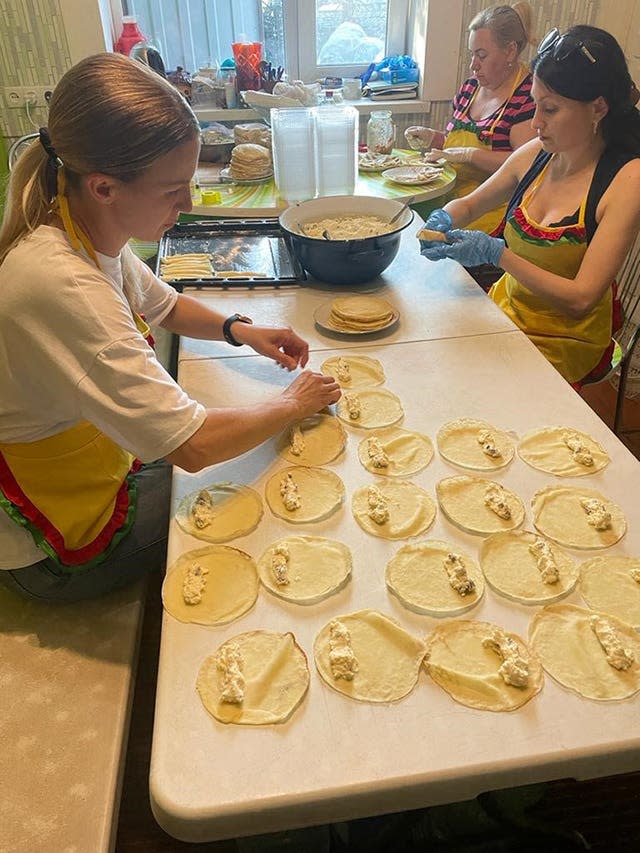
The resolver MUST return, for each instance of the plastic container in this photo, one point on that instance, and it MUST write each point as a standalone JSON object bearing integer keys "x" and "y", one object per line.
{"x": 130, "y": 35}
{"x": 293, "y": 145}
{"x": 381, "y": 132}
{"x": 336, "y": 149}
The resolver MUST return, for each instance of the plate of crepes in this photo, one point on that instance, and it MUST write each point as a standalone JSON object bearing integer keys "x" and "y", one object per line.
{"x": 413, "y": 175}
{"x": 370, "y": 162}
{"x": 250, "y": 164}
{"x": 356, "y": 315}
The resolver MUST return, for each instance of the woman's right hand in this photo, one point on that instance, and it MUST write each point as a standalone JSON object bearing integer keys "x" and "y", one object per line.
{"x": 312, "y": 392}
{"x": 419, "y": 138}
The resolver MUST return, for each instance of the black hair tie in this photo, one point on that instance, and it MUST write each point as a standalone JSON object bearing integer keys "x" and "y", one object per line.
{"x": 45, "y": 140}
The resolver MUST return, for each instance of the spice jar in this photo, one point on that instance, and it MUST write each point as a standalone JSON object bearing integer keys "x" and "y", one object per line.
{"x": 381, "y": 132}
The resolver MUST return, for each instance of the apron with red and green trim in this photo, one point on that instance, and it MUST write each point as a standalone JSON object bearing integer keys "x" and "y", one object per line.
{"x": 573, "y": 346}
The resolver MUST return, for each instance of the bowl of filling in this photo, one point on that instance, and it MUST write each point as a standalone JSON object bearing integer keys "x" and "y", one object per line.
{"x": 345, "y": 239}
{"x": 216, "y": 144}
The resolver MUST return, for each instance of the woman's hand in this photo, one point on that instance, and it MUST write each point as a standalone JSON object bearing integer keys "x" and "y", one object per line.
{"x": 422, "y": 138}
{"x": 283, "y": 345}
{"x": 312, "y": 392}
{"x": 452, "y": 155}
{"x": 469, "y": 248}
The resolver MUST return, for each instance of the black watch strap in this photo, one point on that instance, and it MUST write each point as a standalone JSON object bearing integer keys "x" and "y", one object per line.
{"x": 226, "y": 328}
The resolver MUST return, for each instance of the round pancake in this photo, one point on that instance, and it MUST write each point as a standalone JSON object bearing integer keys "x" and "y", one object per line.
{"x": 379, "y": 408}
{"x": 316, "y": 568}
{"x": 237, "y": 510}
{"x": 363, "y": 371}
{"x": 559, "y": 515}
{"x": 462, "y": 498}
{"x": 546, "y": 450}
{"x": 459, "y": 443}
{"x": 321, "y": 494}
{"x": 324, "y": 440}
{"x": 408, "y": 452}
{"x": 611, "y": 584}
{"x": 411, "y": 510}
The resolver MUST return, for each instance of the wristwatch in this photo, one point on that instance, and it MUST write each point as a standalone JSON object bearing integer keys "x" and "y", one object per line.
{"x": 226, "y": 328}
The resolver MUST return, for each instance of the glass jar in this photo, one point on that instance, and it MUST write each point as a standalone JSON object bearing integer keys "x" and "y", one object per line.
{"x": 381, "y": 132}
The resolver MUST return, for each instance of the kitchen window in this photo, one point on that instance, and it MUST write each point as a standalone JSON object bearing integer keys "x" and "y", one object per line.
{"x": 345, "y": 36}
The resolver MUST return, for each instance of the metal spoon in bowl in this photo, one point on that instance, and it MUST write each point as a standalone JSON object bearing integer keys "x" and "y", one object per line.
{"x": 397, "y": 215}
{"x": 325, "y": 234}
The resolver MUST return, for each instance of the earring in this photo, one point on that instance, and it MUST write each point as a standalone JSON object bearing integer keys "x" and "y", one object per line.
{"x": 596, "y": 125}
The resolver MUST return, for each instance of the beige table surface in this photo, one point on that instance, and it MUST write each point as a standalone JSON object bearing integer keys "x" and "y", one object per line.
{"x": 338, "y": 759}
{"x": 435, "y": 300}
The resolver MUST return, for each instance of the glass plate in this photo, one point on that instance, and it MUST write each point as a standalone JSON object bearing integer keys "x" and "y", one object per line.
{"x": 412, "y": 175}
{"x": 225, "y": 176}
{"x": 322, "y": 317}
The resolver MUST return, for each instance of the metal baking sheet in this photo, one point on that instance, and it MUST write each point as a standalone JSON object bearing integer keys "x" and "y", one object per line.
{"x": 246, "y": 246}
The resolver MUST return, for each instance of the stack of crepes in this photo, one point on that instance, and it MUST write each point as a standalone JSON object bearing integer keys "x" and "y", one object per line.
{"x": 253, "y": 132}
{"x": 360, "y": 313}
{"x": 250, "y": 162}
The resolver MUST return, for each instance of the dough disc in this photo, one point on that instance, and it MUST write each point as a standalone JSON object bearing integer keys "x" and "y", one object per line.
{"x": 546, "y": 450}
{"x": 458, "y": 443}
{"x": 388, "y": 658}
{"x": 379, "y": 408}
{"x": 457, "y": 661}
{"x": 276, "y": 679}
{"x": 511, "y": 569}
{"x": 411, "y": 510}
{"x": 364, "y": 371}
{"x": 237, "y": 510}
{"x": 321, "y": 494}
{"x": 461, "y": 499}
{"x": 606, "y": 584}
{"x": 324, "y": 440}
{"x": 417, "y": 576}
{"x": 317, "y": 568}
{"x": 408, "y": 452}
{"x": 230, "y": 590}
{"x": 571, "y": 653}
{"x": 558, "y": 514}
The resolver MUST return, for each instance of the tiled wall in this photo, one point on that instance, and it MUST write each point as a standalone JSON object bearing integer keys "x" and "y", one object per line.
{"x": 33, "y": 49}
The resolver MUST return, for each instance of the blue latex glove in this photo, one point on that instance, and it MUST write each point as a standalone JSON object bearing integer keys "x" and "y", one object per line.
{"x": 469, "y": 248}
{"x": 439, "y": 220}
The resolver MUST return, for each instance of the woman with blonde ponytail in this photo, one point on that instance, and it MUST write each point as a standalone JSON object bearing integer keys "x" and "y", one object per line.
{"x": 87, "y": 414}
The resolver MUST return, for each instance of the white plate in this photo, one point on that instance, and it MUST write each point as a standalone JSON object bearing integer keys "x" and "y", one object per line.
{"x": 412, "y": 175}
{"x": 322, "y": 317}
{"x": 226, "y": 176}
{"x": 384, "y": 161}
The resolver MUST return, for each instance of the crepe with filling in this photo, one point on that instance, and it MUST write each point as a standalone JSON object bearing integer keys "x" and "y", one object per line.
{"x": 549, "y": 450}
{"x": 388, "y": 657}
{"x": 407, "y": 452}
{"x": 570, "y": 651}
{"x": 322, "y": 439}
{"x": 235, "y": 511}
{"x": 320, "y": 492}
{"x": 228, "y": 589}
{"x": 411, "y": 511}
{"x": 475, "y": 444}
{"x": 513, "y": 567}
{"x": 315, "y": 568}
{"x": 611, "y": 584}
{"x": 361, "y": 371}
{"x": 378, "y": 408}
{"x": 459, "y": 660}
{"x": 463, "y": 501}
{"x": 559, "y": 514}
{"x": 417, "y": 575}
{"x": 274, "y": 679}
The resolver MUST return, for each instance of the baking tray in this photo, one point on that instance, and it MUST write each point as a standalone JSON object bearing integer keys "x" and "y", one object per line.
{"x": 242, "y": 245}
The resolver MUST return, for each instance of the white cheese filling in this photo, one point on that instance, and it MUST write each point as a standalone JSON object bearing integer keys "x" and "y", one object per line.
{"x": 617, "y": 656}
{"x": 378, "y": 506}
{"x": 545, "y": 560}
{"x": 495, "y": 499}
{"x": 297, "y": 443}
{"x": 202, "y": 509}
{"x": 579, "y": 451}
{"x": 280, "y": 564}
{"x": 231, "y": 679}
{"x": 487, "y": 441}
{"x": 343, "y": 371}
{"x": 289, "y": 492}
{"x": 194, "y": 583}
{"x": 377, "y": 452}
{"x": 352, "y": 402}
{"x": 597, "y": 514}
{"x": 514, "y": 669}
{"x": 342, "y": 660}
{"x": 457, "y": 574}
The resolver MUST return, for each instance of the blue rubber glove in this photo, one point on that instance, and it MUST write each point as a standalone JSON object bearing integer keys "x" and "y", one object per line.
{"x": 439, "y": 220}
{"x": 469, "y": 248}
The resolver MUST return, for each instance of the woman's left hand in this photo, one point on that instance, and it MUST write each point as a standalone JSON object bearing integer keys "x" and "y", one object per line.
{"x": 453, "y": 155}
{"x": 283, "y": 345}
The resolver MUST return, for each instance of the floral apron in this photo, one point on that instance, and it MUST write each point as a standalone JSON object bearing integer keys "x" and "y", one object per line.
{"x": 574, "y": 347}
{"x": 469, "y": 178}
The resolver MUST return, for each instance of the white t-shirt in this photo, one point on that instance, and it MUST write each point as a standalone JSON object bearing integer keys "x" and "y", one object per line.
{"x": 70, "y": 351}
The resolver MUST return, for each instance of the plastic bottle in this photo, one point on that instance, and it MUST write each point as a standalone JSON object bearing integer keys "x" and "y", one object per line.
{"x": 129, "y": 36}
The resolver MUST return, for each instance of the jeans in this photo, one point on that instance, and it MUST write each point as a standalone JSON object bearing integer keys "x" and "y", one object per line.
{"x": 141, "y": 551}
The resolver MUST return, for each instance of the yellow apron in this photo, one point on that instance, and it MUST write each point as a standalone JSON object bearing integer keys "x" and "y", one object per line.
{"x": 469, "y": 177}
{"x": 74, "y": 492}
{"x": 574, "y": 347}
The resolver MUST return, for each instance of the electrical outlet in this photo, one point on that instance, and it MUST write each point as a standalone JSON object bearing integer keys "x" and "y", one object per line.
{"x": 20, "y": 96}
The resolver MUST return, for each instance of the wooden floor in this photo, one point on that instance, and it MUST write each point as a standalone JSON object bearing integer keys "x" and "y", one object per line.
{"x": 604, "y": 812}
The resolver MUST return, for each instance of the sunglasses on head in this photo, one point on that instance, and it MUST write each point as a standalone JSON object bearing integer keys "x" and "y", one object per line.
{"x": 563, "y": 46}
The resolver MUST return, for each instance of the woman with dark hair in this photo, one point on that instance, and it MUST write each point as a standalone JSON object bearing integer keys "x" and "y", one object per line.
{"x": 85, "y": 416}
{"x": 575, "y": 204}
